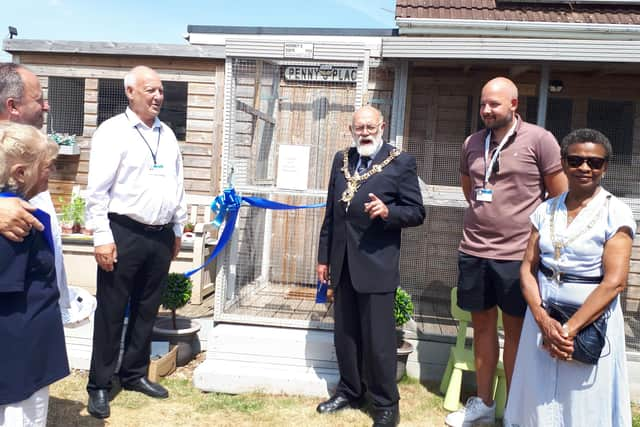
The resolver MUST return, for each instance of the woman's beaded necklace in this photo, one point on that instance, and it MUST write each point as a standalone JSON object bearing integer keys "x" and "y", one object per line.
{"x": 559, "y": 244}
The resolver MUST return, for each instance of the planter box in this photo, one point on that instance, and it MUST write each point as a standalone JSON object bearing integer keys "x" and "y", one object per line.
{"x": 69, "y": 150}
{"x": 163, "y": 366}
{"x": 185, "y": 338}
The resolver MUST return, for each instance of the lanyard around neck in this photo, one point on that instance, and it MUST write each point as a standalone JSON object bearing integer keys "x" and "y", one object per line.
{"x": 487, "y": 141}
{"x": 154, "y": 156}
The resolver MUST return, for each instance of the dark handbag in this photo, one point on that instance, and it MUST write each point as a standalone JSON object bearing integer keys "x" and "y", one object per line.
{"x": 588, "y": 343}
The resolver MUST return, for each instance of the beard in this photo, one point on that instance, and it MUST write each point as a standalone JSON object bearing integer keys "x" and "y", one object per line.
{"x": 36, "y": 120}
{"x": 374, "y": 142}
{"x": 499, "y": 123}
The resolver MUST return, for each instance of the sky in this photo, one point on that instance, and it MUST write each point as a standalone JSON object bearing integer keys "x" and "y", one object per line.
{"x": 166, "y": 21}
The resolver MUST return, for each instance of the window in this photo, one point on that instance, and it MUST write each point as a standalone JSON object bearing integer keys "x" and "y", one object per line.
{"x": 615, "y": 120}
{"x": 558, "y": 120}
{"x": 112, "y": 100}
{"x": 66, "y": 105}
{"x": 174, "y": 108}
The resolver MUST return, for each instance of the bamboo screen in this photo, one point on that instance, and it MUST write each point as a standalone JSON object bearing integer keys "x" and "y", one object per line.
{"x": 269, "y": 271}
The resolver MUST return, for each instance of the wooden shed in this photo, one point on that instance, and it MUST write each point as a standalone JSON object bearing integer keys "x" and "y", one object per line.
{"x": 570, "y": 74}
{"x": 576, "y": 65}
{"x": 83, "y": 84}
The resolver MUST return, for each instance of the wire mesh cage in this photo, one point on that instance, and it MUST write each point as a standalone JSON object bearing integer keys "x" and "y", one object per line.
{"x": 66, "y": 105}
{"x": 623, "y": 180}
{"x": 271, "y": 264}
{"x": 112, "y": 99}
{"x": 269, "y": 267}
{"x": 268, "y": 275}
{"x": 428, "y": 265}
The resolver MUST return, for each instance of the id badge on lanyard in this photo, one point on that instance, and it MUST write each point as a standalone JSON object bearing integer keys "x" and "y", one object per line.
{"x": 156, "y": 170}
{"x": 484, "y": 194}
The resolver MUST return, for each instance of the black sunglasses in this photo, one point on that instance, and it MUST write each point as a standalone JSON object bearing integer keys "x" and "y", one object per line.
{"x": 593, "y": 162}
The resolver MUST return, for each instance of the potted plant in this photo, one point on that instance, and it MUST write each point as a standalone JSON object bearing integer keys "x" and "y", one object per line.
{"x": 179, "y": 331}
{"x": 72, "y": 218}
{"x": 78, "y": 206}
{"x": 66, "y": 218}
{"x": 189, "y": 227}
{"x": 402, "y": 311}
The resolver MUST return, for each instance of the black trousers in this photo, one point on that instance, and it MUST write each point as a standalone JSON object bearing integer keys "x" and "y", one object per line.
{"x": 138, "y": 278}
{"x": 365, "y": 340}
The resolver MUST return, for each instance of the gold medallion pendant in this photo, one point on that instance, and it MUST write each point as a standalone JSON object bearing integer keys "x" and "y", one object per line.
{"x": 559, "y": 244}
{"x": 354, "y": 181}
{"x": 349, "y": 192}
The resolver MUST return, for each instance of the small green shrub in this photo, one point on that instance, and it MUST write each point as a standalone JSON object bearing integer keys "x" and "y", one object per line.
{"x": 67, "y": 214}
{"x": 78, "y": 206}
{"x": 73, "y": 212}
{"x": 403, "y": 307}
{"x": 176, "y": 294}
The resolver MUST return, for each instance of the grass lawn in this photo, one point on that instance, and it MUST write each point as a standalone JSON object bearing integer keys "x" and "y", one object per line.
{"x": 187, "y": 406}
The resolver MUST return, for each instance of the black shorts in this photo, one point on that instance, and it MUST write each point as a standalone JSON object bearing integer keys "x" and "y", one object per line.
{"x": 484, "y": 283}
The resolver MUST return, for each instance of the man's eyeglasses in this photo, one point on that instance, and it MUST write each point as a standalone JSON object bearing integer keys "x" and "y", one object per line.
{"x": 593, "y": 162}
{"x": 370, "y": 128}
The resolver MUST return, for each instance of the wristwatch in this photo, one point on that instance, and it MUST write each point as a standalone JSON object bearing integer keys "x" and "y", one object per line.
{"x": 565, "y": 328}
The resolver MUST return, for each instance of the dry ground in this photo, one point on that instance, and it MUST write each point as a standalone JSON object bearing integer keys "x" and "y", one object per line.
{"x": 187, "y": 406}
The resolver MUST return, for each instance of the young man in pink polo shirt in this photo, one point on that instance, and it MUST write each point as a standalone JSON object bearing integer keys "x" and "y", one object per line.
{"x": 506, "y": 170}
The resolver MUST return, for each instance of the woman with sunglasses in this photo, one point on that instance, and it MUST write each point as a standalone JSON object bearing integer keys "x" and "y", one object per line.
{"x": 577, "y": 260}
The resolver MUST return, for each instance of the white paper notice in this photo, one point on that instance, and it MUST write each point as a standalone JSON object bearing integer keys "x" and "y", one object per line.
{"x": 293, "y": 167}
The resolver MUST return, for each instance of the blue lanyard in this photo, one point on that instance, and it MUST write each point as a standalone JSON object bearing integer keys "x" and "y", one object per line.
{"x": 154, "y": 156}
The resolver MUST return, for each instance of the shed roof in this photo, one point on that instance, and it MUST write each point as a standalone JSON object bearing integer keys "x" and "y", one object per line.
{"x": 287, "y": 31}
{"x": 492, "y": 10}
{"x": 113, "y": 48}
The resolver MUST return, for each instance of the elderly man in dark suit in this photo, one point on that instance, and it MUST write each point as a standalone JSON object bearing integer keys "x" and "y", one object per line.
{"x": 373, "y": 193}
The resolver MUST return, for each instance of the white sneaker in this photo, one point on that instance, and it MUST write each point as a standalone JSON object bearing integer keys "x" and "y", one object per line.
{"x": 474, "y": 412}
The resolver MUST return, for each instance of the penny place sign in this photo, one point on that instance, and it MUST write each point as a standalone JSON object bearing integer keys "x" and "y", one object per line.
{"x": 321, "y": 73}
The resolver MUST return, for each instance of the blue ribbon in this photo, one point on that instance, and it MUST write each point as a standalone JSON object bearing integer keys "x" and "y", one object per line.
{"x": 226, "y": 206}
{"x": 41, "y": 216}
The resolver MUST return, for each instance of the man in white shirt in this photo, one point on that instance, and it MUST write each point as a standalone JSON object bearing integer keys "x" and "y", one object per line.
{"x": 135, "y": 200}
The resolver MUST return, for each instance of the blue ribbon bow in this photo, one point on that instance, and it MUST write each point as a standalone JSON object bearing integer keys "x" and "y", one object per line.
{"x": 226, "y": 207}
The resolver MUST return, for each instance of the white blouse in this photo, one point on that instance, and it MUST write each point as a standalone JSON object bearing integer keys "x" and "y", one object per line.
{"x": 584, "y": 239}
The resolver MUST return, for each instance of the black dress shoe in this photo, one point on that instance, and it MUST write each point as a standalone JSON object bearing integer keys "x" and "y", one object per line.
{"x": 335, "y": 404}
{"x": 386, "y": 417}
{"x": 99, "y": 403}
{"x": 151, "y": 389}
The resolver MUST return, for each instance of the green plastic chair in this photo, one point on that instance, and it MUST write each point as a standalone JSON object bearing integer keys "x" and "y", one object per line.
{"x": 461, "y": 359}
